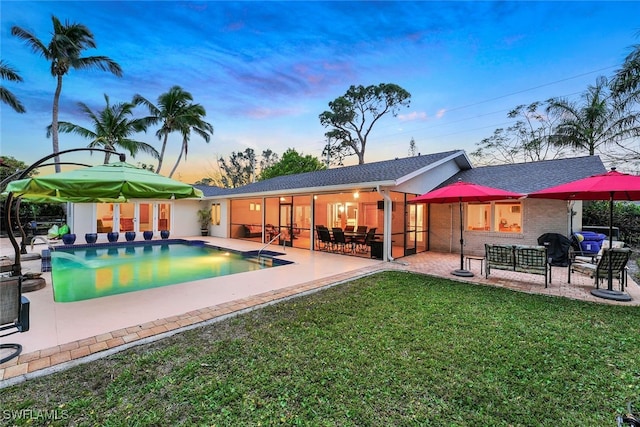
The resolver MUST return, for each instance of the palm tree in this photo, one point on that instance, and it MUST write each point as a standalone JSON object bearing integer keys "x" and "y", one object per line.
{"x": 193, "y": 122}
{"x": 627, "y": 78}
{"x": 600, "y": 119}
{"x": 8, "y": 73}
{"x": 64, "y": 51}
{"x": 177, "y": 114}
{"x": 112, "y": 129}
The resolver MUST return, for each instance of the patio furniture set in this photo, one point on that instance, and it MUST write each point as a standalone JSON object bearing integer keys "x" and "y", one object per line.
{"x": 607, "y": 262}
{"x": 350, "y": 239}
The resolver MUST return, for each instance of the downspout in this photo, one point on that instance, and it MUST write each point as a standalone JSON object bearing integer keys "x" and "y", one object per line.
{"x": 387, "y": 224}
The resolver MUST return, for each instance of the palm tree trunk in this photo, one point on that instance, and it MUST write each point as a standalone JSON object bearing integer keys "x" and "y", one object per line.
{"x": 54, "y": 123}
{"x": 164, "y": 145}
{"x": 177, "y": 161}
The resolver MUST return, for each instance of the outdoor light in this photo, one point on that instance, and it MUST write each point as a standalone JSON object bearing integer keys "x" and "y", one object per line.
{"x": 356, "y": 195}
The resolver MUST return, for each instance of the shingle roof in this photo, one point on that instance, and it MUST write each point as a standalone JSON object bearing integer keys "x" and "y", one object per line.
{"x": 384, "y": 171}
{"x": 533, "y": 176}
{"x": 518, "y": 177}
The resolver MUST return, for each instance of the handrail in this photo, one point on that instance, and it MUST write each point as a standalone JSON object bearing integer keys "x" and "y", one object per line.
{"x": 268, "y": 243}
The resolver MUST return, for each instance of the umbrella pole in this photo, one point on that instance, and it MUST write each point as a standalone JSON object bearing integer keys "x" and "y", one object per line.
{"x": 609, "y": 293}
{"x": 610, "y": 275}
{"x": 461, "y": 271}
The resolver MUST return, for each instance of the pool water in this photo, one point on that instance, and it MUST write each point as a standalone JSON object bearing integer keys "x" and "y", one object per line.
{"x": 92, "y": 271}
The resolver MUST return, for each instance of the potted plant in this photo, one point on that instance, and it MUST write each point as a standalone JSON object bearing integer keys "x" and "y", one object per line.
{"x": 204, "y": 218}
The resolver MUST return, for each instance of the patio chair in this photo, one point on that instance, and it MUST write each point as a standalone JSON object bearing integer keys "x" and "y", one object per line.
{"x": 616, "y": 257}
{"x": 349, "y": 229}
{"x": 500, "y": 257}
{"x": 339, "y": 240}
{"x": 363, "y": 243}
{"x": 324, "y": 238}
{"x": 362, "y": 229}
{"x": 14, "y": 313}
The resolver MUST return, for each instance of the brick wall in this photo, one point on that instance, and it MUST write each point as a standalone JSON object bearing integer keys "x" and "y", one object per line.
{"x": 539, "y": 216}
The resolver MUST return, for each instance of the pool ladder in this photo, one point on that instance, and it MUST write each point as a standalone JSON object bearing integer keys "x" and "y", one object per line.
{"x": 269, "y": 242}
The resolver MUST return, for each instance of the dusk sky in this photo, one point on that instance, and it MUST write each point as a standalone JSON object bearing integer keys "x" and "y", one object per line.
{"x": 265, "y": 71}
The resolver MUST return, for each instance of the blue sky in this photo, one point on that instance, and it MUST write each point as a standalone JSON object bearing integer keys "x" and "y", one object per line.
{"x": 265, "y": 71}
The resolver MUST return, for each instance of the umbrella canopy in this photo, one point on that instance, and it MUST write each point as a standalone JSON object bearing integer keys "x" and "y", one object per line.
{"x": 116, "y": 182}
{"x": 611, "y": 186}
{"x": 462, "y": 191}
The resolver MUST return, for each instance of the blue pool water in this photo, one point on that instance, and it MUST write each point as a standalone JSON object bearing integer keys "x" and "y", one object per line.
{"x": 91, "y": 271}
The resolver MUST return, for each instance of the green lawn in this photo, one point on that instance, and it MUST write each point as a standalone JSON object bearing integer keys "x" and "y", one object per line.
{"x": 392, "y": 349}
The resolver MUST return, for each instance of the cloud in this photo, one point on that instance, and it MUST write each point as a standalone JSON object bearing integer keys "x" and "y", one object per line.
{"x": 267, "y": 113}
{"x": 440, "y": 113}
{"x": 416, "y": 115}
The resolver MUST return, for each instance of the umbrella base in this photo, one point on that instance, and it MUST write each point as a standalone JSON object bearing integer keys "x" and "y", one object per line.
{"x": 462, "y": 273}
{"x": 611, "y": 295}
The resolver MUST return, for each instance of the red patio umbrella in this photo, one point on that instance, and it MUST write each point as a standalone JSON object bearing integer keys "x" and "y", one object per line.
{"x": 459, "y": 192}
{"x": 611, "y": 186}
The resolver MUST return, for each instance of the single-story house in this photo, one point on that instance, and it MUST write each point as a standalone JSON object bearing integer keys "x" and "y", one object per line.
{"x": 286, "y": 210}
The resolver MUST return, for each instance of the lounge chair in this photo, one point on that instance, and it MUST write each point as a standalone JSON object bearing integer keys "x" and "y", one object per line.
{"x": 616, "y": 257}
{"x": 14, "y": 313}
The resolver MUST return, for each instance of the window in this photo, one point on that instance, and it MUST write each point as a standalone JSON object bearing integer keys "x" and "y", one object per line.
{"x": 478, "y": 215}
{"x": 215, "y": 213}
{"x": 504, "y": 217}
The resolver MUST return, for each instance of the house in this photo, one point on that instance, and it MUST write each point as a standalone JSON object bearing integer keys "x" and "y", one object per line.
{"x": 286, "y": 210}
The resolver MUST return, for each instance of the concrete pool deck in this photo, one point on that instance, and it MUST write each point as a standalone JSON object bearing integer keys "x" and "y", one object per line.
{"x": 64, "y": 334}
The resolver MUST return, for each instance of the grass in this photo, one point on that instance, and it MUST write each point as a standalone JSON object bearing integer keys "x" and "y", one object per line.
{"x": 391, "y": 349}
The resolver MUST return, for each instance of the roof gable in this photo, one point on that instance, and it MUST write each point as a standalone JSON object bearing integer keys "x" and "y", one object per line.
{"x": 531, "y": 176}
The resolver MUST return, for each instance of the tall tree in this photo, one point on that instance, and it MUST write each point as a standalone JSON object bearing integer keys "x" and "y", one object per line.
{"x": 413, "y": 150}
{"x": 239, "y": 170}
{"x": 627, "y": 78}
{"x": 352, "y": 116}
{"x": 598, "y": 120}
{"x": 268, "y": 159}
{"x": 112, "y": 128}
{"x": 193, "y": 122}
{"x": 6, "y": 96}
{"x": 64, "y": 52}
{"x": 176, "y": 111}
{"x": 291, "y": 163}
{"x": 10, "y": 165}
{"x": 529, "y": 139}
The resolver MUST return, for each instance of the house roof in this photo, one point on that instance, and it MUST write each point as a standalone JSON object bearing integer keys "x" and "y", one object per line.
{"x": 532, "y": 176}
{"x": 517, "y": 177}
{"x": 388, "y": 172}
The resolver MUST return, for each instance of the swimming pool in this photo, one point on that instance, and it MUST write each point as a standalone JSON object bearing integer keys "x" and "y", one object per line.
{"x": 81, "y": 272}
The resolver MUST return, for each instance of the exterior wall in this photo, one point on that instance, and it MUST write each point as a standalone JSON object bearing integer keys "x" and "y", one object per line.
{"x": 539, "y": 216}
{"x": 221, "y": 230}
{"x": 81, "y": 218}
{"x": 185, "y": 217}
{"x": 444, "y": 228}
